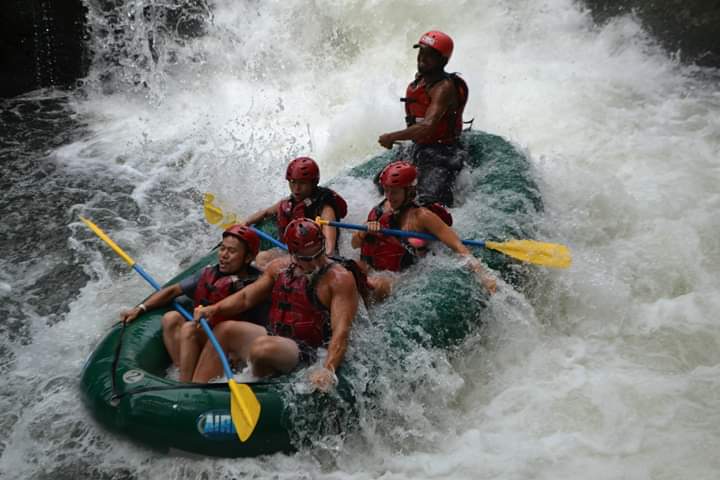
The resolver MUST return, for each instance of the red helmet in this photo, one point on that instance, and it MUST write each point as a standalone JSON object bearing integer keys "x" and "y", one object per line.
{"x": 303, "y": 168}
{"x": 399, "y": 174}
{"x": 302, "y": 233}
{"x": 241, "y": 232}
{"x": 438, "y": 41}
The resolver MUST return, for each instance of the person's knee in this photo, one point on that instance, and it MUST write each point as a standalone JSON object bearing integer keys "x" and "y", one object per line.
{"x": 223, "y": 329}
{"x": 261, "y": 349}
{"x": 188, "y": 330}
{"x": 171, "y": 320}
{"x": 225, "y": 332}
{"x": 262, "y": 257}
{"x": 266, "y": 256}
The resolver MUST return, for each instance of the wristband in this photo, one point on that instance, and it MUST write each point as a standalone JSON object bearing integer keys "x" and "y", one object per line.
{"x": 142, "y": 307}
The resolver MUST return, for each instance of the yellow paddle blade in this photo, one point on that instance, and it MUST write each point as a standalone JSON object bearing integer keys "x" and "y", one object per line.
{"x": 530, "y": 251}
{"x": 103, "y": 236}
{"x": 244, "y": 409}
{"x": 213, "y": 214}
{"x": 229, "y": 221}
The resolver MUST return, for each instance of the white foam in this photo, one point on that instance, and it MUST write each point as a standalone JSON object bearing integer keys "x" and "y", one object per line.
{"x": 607, "y": 370}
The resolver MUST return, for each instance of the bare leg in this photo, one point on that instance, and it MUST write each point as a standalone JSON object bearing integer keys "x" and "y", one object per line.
{"x": 267, "y": 256}
{"x": 171, "y": 323}
{"x": 271, "y": 355}
{"x": 235, "y": 337}
{"x": 192, "y": 340}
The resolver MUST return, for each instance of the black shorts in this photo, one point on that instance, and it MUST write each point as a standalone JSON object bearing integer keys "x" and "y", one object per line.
{"x": 307, "y": 355}
{"x": 438, "y": 167}
{"x": 258, "y": 314}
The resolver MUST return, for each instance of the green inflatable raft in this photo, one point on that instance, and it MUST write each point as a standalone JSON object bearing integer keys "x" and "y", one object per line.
{"x": 124, "y": 381}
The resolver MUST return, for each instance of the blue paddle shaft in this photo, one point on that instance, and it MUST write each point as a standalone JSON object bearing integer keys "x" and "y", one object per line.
{"x": 269, "y": 238}
{"x": 402, "y": 233}
{"x": 186, "y": 314}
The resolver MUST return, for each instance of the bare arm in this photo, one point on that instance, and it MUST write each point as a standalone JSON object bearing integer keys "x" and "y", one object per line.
{"x": 373, "y": 227}
{"x": 343, "y": 307}
{"x": 443, "y": 96}
{"x": 261, "y": 215}
{"x": 357, "y": 239}
{"x": 330, "y": 233}
{"x": 430, "y": 222}
{"x": 156, "y": 300}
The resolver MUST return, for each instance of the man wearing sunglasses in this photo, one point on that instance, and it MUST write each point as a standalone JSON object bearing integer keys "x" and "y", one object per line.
{"x": 313, "y": 303}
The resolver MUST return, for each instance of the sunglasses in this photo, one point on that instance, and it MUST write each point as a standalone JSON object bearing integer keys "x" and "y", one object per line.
{"x": 309, "y": 258}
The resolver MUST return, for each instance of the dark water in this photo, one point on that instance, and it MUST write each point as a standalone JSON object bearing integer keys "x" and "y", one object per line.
{"x": 43, "y": 268}
{"x": 689, "y": 29}
{"x": 38, "y": 273}
{"x": 41, "y": 273}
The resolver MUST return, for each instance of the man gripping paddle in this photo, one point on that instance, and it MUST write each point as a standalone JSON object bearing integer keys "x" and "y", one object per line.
{"x": 185, "y": 340}
{"x": 313, "y": 303}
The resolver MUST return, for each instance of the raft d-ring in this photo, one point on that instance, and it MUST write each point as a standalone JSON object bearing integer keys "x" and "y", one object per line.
{"x": 133, "y": 376}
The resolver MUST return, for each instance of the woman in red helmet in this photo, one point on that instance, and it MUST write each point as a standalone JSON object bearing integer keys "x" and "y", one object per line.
{"x": 398, "y": 210}
{"x": 184, "y": 340}
{"x": 313, "y": 301}
{"x": 307, "y": 200}
{"x": 434, "y": 104}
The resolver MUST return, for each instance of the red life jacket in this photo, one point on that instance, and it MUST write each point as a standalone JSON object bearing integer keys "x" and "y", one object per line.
{"x": 295, "y": 310}
{"x": 311, "y": 207}
{"x": 387, "y": 252}
{"x": 214, "y": 286}
{"x": 417, "y": 101}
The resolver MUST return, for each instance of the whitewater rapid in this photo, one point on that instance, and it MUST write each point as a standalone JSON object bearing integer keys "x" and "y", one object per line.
{"x": 608, "y": 370}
